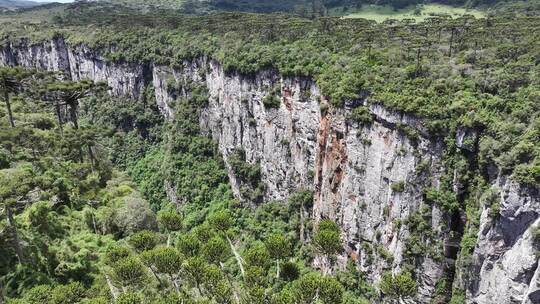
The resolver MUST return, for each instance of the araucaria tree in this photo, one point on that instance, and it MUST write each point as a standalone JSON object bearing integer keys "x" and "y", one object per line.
{"x": 69, "y": 93}
{"x": 12, "y": 80}
{"x": 327, "y": 241}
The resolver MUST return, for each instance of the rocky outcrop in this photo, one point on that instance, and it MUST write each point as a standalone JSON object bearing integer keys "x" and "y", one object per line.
{"x": 368, "y": 177}
{"x": 77, "y": 63}
{"x": 506, "y": 255}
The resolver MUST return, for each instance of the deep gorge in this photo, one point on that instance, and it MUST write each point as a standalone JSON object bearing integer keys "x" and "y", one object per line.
{"x": 371, "y": 178}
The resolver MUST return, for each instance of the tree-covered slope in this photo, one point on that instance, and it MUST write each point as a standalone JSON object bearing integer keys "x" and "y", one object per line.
{"x": 480, "y": 74}
{"x": 15, "y": 4}
{"x": 306, "y": 8}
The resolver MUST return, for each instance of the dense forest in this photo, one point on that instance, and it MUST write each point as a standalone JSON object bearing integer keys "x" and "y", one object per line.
{"x": 304, "y": 8}
{"x": 85, "y": 215}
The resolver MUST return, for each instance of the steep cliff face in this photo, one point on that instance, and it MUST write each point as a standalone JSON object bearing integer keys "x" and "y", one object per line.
{"x": 77, "y": 63}
{"x": 350, "y": 167}
{"x": 506, "y": 255}
{"x": 370, "y": 178}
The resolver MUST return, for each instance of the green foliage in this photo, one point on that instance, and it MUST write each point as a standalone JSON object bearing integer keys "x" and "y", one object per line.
{"x": 398, "y": 186}
{"x": 216, "y": 250}
{"x": 327, "y": 238}
{"x": 40, "y": 294}
{"x": 116, "y": 253}
{"x": 252, "y": 187}
{"x": 289, "y": 271}
{"x": 330, "y": 291}
{"x": 356, "y": 283}
{"x": 278, "y": 246}
{"x": 398, "y": 286}
{"x": 195, "y": 269}
{"x": 188, "y": 244}
{"x": 361, "y": 115}
{"x": 64, "y": 294}
{"x": 258, "y": 256}
{"x": 134, "y": 215}
{"x": 310, "y": 286}
{"x": 129, "y": 298}
{"x": 76, "y": 217}
{"x": 143, "y": 240}
{"x": 445, "y": 199}
{"x": 495, "y": 210}
{"x": 272, "y": 99}
{"x": 170, "y": 220}
{"x": 129, "y": 272}
{"x": 221, "y": 221}
{"x": 163, "y": 259}
{"x": 458, "y": 296}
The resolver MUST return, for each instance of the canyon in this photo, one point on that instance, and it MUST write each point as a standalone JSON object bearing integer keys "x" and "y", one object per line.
{"x": 368, "y": 177}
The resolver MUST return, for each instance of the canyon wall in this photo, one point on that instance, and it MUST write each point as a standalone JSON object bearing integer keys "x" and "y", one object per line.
{"x": 369, "y": 178}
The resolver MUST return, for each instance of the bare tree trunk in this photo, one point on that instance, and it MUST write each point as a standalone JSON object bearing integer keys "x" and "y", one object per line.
{"x": 277, "y": 268}
{"x": 13, "y": 225}
{"x": 92, "y": 157}
{"x": 302, "y": 225}
{"x": 59, "y": 117}
{"x": 114, "y": 291}
{"x": 235, "y": 292}
{"x": 176, "y": 287}
{"x": 73, "y": 116}
{"x": 451, "y": 43}
{"x": 199, "y": 289}
{"x": 155, "y": 275}
{"x": 417, "y": 61}
{"x": 237, "y": 256}
{"x": 8, "y": 107}
{"x": 1, "y": 293}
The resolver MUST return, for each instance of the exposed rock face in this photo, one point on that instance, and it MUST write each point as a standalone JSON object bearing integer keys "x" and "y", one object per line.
{"x": 367, "y": 177}
{"x": 77, "y": 63}
{"x": 506, "y": 256}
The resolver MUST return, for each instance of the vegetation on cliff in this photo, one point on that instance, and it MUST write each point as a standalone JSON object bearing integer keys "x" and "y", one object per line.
{"x": 75, "y": 228}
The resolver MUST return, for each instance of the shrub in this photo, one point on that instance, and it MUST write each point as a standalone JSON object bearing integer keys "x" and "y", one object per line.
{"x": 398, "y": 186}
{"x": 361, "y": 115}
{"x": 135, "y": 215}
{"x": 143, "y": 240}
{"x": 116, "y": 253}
{"x": 129, "y": 298}
{"x": 494, "y": 210}
{"x": 398, "y": 286}
{"x": 188, "y": 245}
{"x": 129, "y": 271}
{"x": 327, "y": 239}
{"x": 289, "y": 271}
{"x": 271, "y": 101}
{"x": 258, "y": 256}
{"x": 40, "y": 294}
{"x": 71, "y": 293}
{"x": 170, "y": 220}
{"x": 444, "y": 199}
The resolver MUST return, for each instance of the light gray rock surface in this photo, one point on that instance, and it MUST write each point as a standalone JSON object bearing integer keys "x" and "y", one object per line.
{"x": 506, "y": 257}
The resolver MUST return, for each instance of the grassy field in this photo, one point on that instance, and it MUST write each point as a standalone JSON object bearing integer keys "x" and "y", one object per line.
{"x": 381, "y": 13}
{"x": 33, "y": 15}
